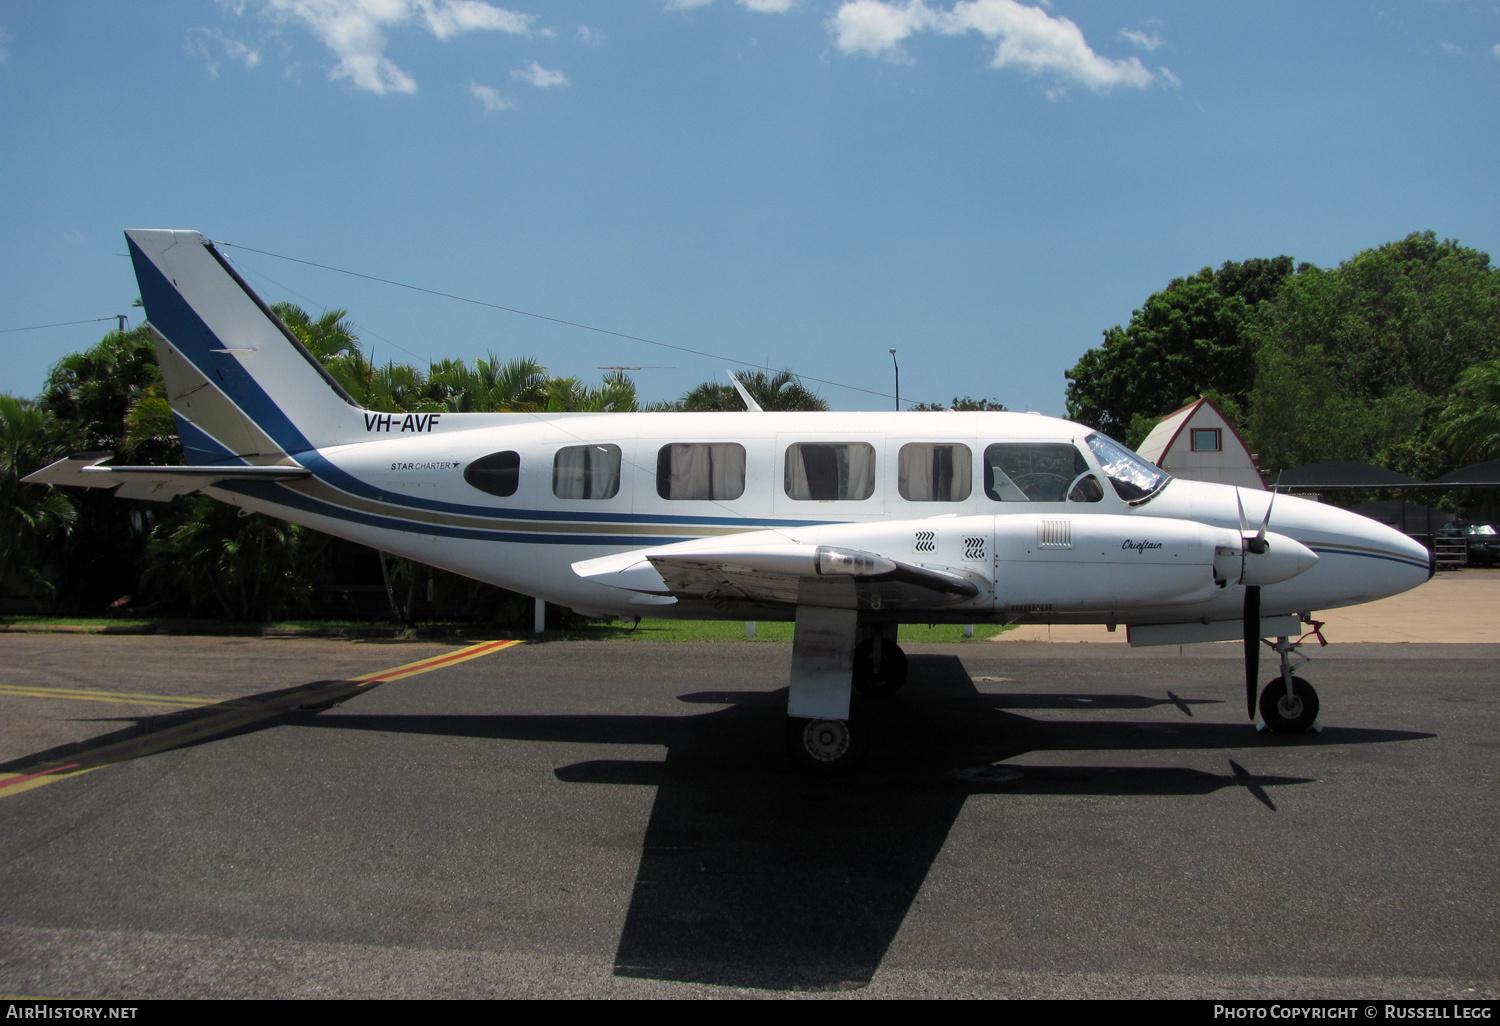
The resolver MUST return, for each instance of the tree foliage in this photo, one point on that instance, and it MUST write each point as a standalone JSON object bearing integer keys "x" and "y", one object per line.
{"x": 1357, "y": 361}
{"x": 965, "y": 405}
{"x": 1186, "y": 340}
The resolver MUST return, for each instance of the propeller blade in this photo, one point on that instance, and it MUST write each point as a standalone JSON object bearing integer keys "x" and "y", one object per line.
{"x": 1238, "y": 501}
{"x": 1259, "y": 543}
{"x": 1252, "y": 646}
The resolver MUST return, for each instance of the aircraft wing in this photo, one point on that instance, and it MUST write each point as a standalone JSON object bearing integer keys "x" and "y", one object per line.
{"x": 780, "y": 572}
{"x": 156, "y": 484}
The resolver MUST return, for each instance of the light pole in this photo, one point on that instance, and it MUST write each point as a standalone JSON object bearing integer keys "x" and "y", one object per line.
{"x": 898, "y": 380}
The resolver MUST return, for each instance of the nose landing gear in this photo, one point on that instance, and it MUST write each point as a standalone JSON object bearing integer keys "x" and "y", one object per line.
{"x": 1289, "y": 704}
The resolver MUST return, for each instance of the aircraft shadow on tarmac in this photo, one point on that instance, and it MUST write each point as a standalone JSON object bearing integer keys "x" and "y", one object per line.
{"x": 752, "y": 874}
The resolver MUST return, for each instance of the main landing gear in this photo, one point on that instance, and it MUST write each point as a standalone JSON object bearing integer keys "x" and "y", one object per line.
{"x": 1288, "y": 704}
{"x": 879, "y": 663}
{"x": 833, "y": 654}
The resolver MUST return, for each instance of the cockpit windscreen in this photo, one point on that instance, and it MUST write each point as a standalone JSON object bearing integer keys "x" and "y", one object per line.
{"x": 1133, "y": 478}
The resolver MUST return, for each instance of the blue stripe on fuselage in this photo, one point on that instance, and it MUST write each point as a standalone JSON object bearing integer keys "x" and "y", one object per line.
{"x": 1323, "y": 550}
{"x": 274, "y": 493}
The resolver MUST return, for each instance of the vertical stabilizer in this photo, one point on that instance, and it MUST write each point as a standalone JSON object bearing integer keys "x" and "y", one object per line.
{"x": 242, "y": 387}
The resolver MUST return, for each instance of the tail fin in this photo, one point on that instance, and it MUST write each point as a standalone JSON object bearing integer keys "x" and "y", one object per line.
{"x": 242, "y": 386}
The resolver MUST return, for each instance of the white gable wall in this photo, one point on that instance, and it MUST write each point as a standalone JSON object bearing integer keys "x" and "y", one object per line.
{"x": 1230, "y": 465}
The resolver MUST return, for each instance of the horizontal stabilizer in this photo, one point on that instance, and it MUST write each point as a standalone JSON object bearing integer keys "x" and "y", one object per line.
{"x": 156, "y": 484}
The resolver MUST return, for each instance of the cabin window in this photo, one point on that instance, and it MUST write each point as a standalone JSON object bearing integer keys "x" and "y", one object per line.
{"x": 498, "y": 473}
{"x": 701, "y": 471}
{"x": 1133, "y": 479}
{"x": 830, "y": 470}
{"x": 586, "y": 472}
{"x": 1207, "y": 440}
{"x": 1033, "y": 471}
{"x": 928, "y": 472}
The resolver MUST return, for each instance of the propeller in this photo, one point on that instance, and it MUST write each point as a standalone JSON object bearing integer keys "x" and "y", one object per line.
{"x": 1255, "y": 544}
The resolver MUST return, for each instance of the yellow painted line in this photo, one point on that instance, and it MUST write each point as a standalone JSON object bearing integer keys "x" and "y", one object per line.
{"x": 236, "y": 714}
{"x": 463, "y": 655}
{"x": 83, "y": 695}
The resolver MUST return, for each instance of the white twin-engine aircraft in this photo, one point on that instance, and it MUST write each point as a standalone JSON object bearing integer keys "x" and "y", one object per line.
{"x": 846, "y": 523}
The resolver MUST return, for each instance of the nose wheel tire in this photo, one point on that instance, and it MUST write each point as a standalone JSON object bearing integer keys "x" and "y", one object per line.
{"x": 825, "y": 747}
{"x": 888, "y": 679}
{"x": 1289, "y": 714}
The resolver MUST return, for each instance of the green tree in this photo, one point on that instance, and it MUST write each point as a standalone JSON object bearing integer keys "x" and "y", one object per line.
{"x": 206, "y": 559}
{"x": 1470, "y": 423}
{"x": 1357, "y": 361}
{"x": 966, "y": 404}
{"x": 1187, "y": 340}
{"x": 31, "y": 516}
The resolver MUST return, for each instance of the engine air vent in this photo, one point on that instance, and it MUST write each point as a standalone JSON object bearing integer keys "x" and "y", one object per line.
{"x": 1054, "y": 534}
{"x": 926, "y": 541}
{"x": 974, "y": 548}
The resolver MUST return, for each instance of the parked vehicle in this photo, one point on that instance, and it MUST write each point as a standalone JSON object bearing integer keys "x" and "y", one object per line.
{"x": 1483, "y": 540}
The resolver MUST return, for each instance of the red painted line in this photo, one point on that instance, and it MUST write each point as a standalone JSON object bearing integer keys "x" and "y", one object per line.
{"x": 33, "y": 776}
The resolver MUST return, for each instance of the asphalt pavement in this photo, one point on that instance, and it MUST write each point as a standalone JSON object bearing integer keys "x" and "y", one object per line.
{"x": 239, "y": 817}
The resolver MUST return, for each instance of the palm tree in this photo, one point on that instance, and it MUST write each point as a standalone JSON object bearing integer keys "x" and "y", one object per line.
{"x": 1470, "y": 425}
{"x": 31, "y": 516}
{"x": 782, "y": 390}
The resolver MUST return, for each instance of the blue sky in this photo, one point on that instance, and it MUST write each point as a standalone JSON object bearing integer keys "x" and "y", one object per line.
{"x": 984, "y": 185}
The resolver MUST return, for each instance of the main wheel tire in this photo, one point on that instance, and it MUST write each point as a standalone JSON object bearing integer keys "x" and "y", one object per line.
{"x": 1289, "y": 714}
{"x": 825, "y": 747}
{"x": 893, "y": 669}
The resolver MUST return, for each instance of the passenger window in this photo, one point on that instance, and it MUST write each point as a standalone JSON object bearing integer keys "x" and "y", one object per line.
{"x": 498, "y": 473}
{"x": 701, "y": 471}
{"x": 1033, "y": 471}
{"x": 586, "y": 472}
{"x": 934, "y": 473}
{"x": 830, "y": 470}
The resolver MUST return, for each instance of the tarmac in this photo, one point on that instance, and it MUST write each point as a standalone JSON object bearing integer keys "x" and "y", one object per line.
{"x": 247, "y": 817}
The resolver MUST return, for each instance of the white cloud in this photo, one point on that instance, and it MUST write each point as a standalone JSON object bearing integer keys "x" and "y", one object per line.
{"x": 1495, "y": 50}
{"x": 590, "y": 37}
{"x": 1456, "y": 51}
{"x": 354, "y": 31}
{"x": 1147, "y": 41}
{"x": 876, "y": 28}
{"x": 1169, "y": 78}
{"x": 1025, "y": 37}
{"x": 490, "y": 98}
{"x": 761, "y": 6}
{"x": 206, "y": 43}
{"x": 539, "y": 76}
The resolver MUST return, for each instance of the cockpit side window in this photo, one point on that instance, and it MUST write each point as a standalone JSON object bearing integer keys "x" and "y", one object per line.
{"x": 498, "y": 473}
{"x": 1134, "y": 479}
{"x": 1035, "y": 472}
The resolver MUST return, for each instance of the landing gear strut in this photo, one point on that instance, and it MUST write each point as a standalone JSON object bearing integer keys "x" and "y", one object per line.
{"x": 1288, "y": 704}
{"x": 879, "y": 663}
